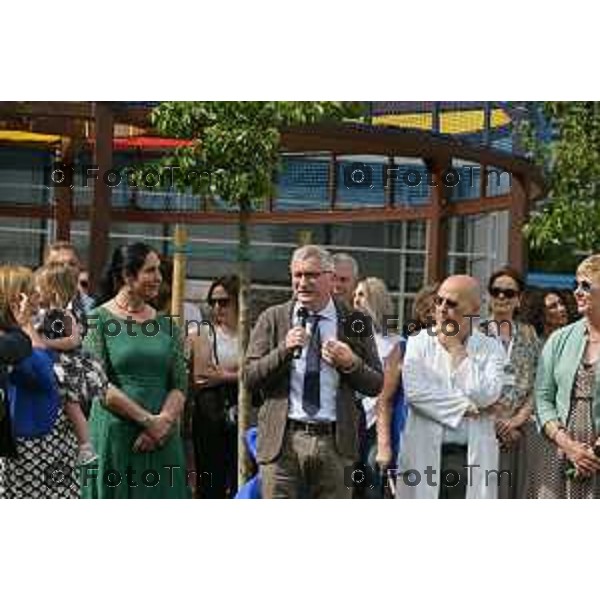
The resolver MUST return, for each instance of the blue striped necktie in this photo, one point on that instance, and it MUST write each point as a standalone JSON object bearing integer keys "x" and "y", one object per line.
{"x": 311, "y": 398}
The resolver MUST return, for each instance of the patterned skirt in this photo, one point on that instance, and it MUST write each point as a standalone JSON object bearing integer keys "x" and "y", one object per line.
{"x": 551, "y": 480}
{"x": 45, "y": 467}
{"x": 516, "y": 461}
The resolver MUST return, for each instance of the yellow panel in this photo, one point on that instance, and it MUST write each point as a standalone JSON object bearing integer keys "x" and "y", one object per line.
{"x": 414, "y": 121}
{"x": 451, "y": 122}
{"x": 28, "y": 137}
{"x": 461, "y": 121}
{"x": 500, "y": 117}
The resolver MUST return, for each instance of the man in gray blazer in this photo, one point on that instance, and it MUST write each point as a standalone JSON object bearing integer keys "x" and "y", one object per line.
{"x": 308, "y": 361}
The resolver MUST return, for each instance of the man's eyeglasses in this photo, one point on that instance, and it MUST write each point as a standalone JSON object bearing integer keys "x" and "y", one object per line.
{"x": 224, "y": 302}
{"x": 312, "y": 275}
{"x": 585, "y": 286}
{"x": 84, "y": 283}
{"x": 439, "y": 301}
{"x": 508, "y": 293}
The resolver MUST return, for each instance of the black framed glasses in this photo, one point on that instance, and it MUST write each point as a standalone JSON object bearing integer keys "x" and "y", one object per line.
{"x": 311, "y": 275}
{"x": 439, "y": 301}
{"x": 585, "y": 286}
{"x": 224, "y": 302}
{"x": 84, "y": 283}
{"x": 508, "y": 293}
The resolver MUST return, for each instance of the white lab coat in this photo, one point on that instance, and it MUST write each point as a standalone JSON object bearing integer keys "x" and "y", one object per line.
{"x": 437, "y": 397}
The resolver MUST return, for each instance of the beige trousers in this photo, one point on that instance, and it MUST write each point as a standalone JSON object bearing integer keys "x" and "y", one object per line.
{"x": 309, "y": 466}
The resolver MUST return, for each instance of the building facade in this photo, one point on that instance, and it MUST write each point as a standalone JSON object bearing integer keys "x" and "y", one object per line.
{"x": 364, "y": 195}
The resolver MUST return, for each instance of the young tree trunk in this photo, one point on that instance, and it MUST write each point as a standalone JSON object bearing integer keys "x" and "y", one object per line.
{"x": 179, "y": 274}
{"x": 244, "y": 397}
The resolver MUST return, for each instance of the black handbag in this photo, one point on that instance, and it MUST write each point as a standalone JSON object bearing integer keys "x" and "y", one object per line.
{"x": 8, "y": 447}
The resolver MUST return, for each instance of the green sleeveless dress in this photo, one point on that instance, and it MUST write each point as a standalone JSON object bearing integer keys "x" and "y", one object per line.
{"x": 145, "y": 361}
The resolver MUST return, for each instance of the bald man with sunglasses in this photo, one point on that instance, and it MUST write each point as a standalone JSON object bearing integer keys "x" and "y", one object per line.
{"x": 453, "y": 378}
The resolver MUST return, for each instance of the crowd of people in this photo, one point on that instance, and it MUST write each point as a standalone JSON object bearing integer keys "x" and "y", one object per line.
{"x": 112, "y": 397}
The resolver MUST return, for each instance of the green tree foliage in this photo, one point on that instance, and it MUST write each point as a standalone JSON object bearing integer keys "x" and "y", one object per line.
{"x": 564, "y": 139}
{"x": 236, "y": 149}
{"x": 235, "y": 156}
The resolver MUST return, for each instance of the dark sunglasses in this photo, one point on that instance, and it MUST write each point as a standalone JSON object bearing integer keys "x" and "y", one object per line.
{"x": 585, "y": 286}
{"x": 84, "y": 283}
{"x": 508, "y": 293}
{"x": 224, "y": 302}
{"x": 439, "y": 300}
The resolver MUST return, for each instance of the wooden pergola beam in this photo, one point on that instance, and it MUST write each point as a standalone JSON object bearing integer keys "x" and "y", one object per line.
{"x": 395, "y": 213}
{"x": 437, "y": 228}
{"x": 100, "y": 215}
{"x": 264, "y": 218}
{"x": 64, "y": 110}
{"x": 25, "y": 211}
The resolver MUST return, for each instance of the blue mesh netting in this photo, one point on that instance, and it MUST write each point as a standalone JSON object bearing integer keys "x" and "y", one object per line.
{"x": 302, "y": 183}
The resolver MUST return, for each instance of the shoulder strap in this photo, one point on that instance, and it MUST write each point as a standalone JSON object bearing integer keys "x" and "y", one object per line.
{"x": 213, "y": 332}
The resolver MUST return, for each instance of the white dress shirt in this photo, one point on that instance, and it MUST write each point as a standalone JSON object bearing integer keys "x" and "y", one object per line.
{"x": 328, "y": 324}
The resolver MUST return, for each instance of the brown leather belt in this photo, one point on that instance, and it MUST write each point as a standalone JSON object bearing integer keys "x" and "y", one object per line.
{"x": 312, "y": 427}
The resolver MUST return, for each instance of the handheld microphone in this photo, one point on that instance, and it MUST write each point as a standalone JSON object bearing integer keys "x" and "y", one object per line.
{"x": 302, "y": 314}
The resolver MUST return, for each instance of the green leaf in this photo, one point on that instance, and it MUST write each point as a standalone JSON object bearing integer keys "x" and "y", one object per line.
{"x": 571, "y": 162}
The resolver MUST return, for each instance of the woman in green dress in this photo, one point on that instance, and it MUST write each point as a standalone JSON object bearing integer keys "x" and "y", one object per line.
{"x": 135, "y": 431}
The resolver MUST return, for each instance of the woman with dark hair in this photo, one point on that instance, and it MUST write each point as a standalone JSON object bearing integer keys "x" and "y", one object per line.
{"x": 547, "y": 311}
{"x": 515, "y": 425}
{"x": 135, "y": 430}
{"x": 216, "y": 361}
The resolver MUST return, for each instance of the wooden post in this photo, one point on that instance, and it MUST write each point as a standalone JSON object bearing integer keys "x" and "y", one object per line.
{"x": 437, "y": 228}
{"x": 305, "y": 237}
{"x": 389, "y": 179}
{"x": 517, "y": 252}
{"x": 483, "y": 182}
{"x": 179, "y": 274}
{"x": 332, "y": 179}
{"x": 101, "y": 206}
{"x": 63, "y": 195}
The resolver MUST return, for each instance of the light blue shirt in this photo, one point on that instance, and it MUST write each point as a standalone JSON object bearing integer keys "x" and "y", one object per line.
{"x": 328, "y": 324}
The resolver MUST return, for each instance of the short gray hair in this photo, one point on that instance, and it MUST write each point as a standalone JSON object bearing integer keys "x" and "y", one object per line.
{"x": 344, "y": 257}
{"x": 312, "y": 251}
